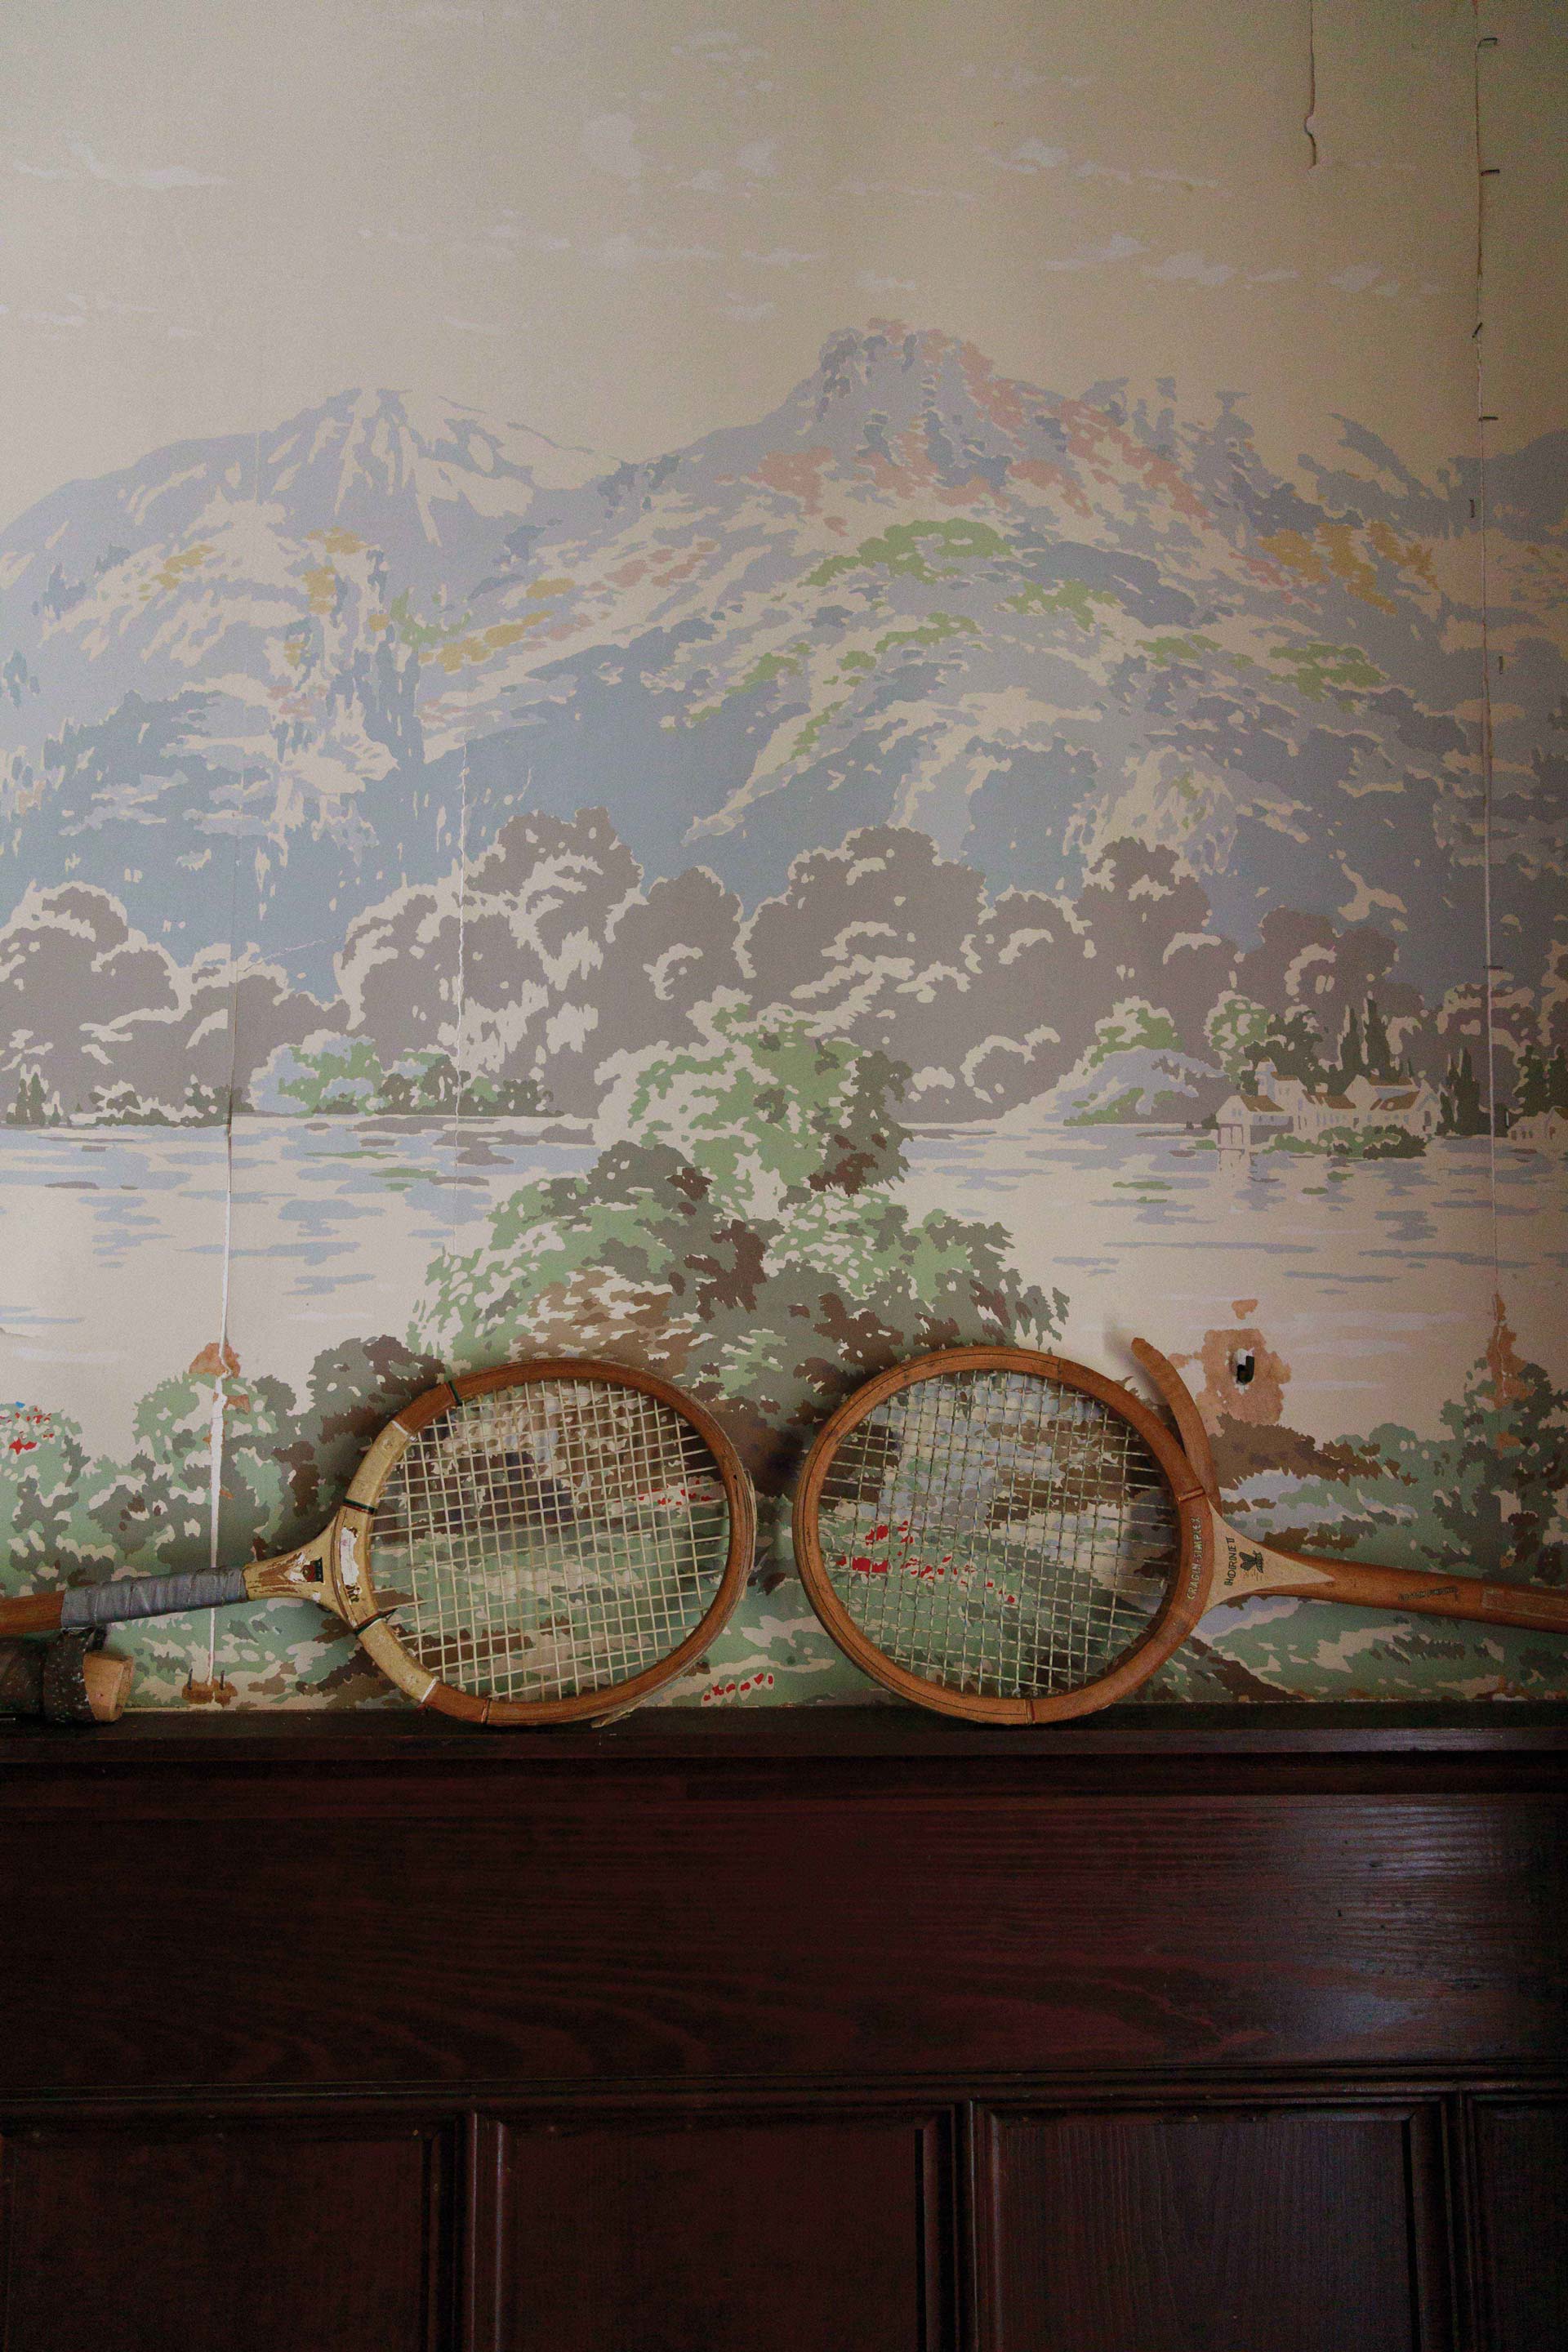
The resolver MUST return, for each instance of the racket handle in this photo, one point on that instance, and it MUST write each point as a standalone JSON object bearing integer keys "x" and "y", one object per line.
{"x": 149, "y": 1596}
{"x": 1423, "y": 1588}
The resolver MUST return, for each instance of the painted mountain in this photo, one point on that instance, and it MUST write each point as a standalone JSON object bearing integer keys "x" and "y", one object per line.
{"x": 917, "y": 594}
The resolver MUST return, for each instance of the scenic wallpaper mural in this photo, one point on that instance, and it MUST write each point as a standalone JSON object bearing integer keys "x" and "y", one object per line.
{"x": 954, "y": 850}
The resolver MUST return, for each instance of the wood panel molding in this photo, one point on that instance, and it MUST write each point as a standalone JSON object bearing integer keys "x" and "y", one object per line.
{"x": 1212, "y": 2026}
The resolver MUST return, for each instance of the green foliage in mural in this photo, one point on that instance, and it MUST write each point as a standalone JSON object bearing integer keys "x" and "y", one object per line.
{"x": 1074, "y": 598}
{"x": 1243, "y": 1032}
{"x": 43, "y": 1518}
{"x": 1542, "y": 1081}
{"x": 1378, "y": 1058}
{"x": 285, "y": 1464}
{"x": 1375, "y": 1141}
{"x": 905, "y": 550}
{"x": 331, "y": 1075}
{"x": 123, "y": 1106}
{"x": 1356, "y": 1060}
{"x": 1460, "y": 1110}
{"x": 284, "y": 1467}
{"x": 1321, "y": 671}
{"x": 1134, "y": 1021}
{"x": 743, "y": 1234}
{"x": 1498, "y": 1486}
{"x": 155, "y": 1508}
{"x": 353, "y": 1390}
{"x": 1486, "y": 1497}
{"x": 33, "y": 1104}
{"x": 325, "y": 1075}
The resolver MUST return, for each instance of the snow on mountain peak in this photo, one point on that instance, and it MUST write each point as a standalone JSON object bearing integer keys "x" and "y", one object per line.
{"x": 362, "y": 447}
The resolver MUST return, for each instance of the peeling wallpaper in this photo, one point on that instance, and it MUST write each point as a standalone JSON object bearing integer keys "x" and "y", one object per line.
{"x": 758, "y": 693}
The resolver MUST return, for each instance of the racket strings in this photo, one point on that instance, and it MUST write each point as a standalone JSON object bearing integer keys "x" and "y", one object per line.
{"x": 557, "y": 1537}
{"x": 998, "y": 1532}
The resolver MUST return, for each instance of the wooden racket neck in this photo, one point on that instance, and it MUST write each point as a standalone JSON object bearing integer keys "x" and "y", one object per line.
{"x": 1244, "y": 1571}
{"x": 332, "y": 1570}
{"x": 297, "y": 1575}
{"x": 1181, "y": 1406}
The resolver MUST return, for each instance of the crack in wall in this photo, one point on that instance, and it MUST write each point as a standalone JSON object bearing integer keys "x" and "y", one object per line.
{"x": 1485, "y": 172}
{"x": 217, "y": 1427}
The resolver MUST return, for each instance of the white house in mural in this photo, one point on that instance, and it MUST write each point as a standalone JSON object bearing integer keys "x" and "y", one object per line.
{"x": 1247, "y": 1120}
{"x": 1546, "y": 1130}
{"x": 1287, "y": 1106}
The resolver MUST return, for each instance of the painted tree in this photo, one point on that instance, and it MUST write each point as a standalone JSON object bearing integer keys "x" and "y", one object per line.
{"x": 1132, "y": 1023}
{"x": 740, "y": 1231}
{"x": 155, "y": 1508}
{"x": 1460, "y": 1110}
{"x": 1149, "y": 920}
{"x": 886, "y": 943}
{"x": 1378, "y": 1053}
{"x": 353, "y": 1390}
{"x": 1305, "y": 963}
{"x": 1541, "y": 1081}
{"x": 542, "y": 964}
{"x": 46, "y": 1529}
{"x": 326, "y": 1073}
{"x": 1489, "y": 1494}
{"x": 1353, "y": 1062}
{"x": 33, "y": 1104}
{"x": 1243, "y": 1033}
{"x": 1500, "y": 1493}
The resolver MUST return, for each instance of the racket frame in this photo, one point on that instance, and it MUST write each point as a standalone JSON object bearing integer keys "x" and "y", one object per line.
{"x": 378, "y": 1637}
{"x": 1217, "y": 1565}
{"x": 1186, "y": 1595}
{"x": 335, "y": 1569}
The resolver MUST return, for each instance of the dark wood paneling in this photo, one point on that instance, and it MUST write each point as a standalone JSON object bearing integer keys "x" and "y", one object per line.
{"x": 1300, "y": 2230}
{"x": 1522, "y": 2211}
{"x": 248, "y": 2240}
{"x": 530, "y": 1920}
{"x": 694, "y": 1994}
{"x": 768, "y": 2234}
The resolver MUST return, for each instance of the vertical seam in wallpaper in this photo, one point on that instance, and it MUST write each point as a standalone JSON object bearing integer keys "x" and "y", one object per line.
{"x": 462, "y": 989}
{"x": 1483, "y": 173}
{"x": 216, "y": 1429}
{"x": 219, "y": 1432}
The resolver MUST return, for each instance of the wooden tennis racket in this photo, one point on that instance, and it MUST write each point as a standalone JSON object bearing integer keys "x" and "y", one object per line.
{"x": 1012, "y": 1537}
{"x": 526, "y": 1546}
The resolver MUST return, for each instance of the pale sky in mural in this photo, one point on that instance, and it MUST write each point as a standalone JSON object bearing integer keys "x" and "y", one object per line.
{"x": 625, "y": 222}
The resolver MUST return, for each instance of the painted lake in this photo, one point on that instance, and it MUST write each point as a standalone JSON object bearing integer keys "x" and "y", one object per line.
{"x": 1373, "y": 1280}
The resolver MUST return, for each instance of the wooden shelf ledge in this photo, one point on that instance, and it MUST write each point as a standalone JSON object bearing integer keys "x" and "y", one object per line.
{"x": 395, "y": 1740}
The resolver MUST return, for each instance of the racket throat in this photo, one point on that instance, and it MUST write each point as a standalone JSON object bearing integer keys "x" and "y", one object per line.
{"x": 289, "y": 1576}
{"x": 332, "y": 1570}
{"x": 1243, "y": 1569}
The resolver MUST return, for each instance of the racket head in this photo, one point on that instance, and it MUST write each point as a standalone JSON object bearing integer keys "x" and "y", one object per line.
{"x": 571, "y": 1535}
{"x": 1003, "y": 1535}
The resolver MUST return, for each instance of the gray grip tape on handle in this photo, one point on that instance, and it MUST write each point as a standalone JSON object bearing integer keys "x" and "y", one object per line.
{"x": 148, "y": 1596}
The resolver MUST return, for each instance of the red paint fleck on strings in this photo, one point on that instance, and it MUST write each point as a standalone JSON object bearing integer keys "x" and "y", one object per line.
{"x": 678, "y": 1498}
{"x": 923, "y": 1572}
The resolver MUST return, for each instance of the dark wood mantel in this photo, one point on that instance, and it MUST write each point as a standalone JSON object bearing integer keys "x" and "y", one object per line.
{"x": 838, "y": 2027}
